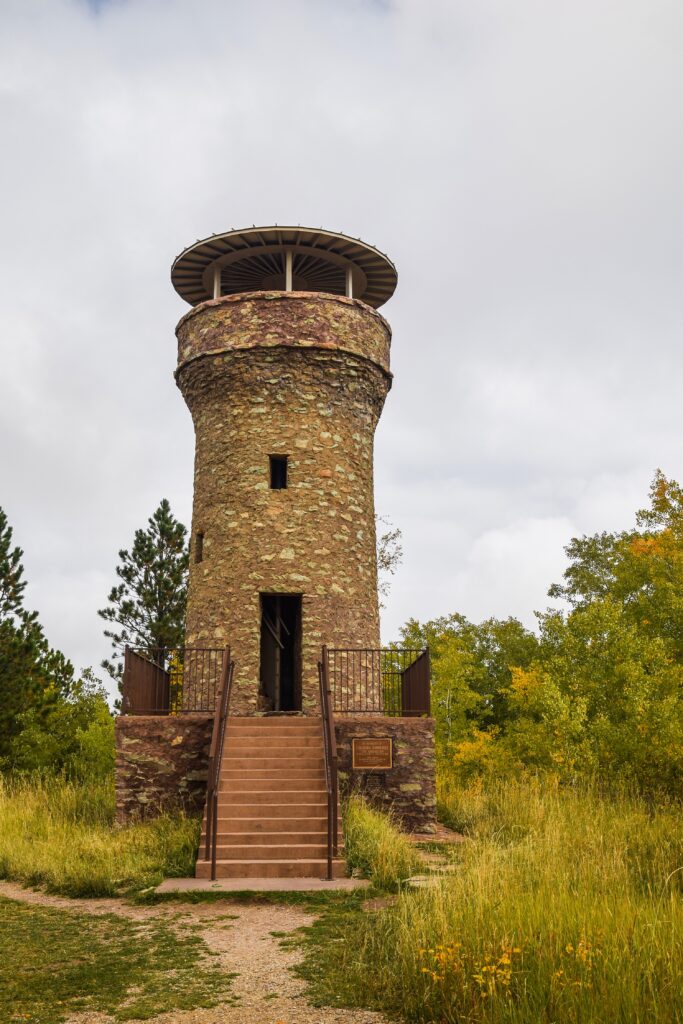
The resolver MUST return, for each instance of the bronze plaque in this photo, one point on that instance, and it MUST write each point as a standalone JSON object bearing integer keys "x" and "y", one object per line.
{"x": 372, "y": 752}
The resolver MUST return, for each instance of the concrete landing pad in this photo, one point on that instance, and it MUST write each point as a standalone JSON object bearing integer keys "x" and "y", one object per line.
{"x": 261, "y": 885}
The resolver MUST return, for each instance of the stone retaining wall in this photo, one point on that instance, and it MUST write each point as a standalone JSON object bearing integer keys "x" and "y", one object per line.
{"x": 409, "y": 788}
{"x": 161, "y": 764}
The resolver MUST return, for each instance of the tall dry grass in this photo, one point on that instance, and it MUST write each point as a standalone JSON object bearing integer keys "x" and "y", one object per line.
{"x": 564, "y": 906}
{"x": 375, "y": 846}
{"x": 61, "y": 835}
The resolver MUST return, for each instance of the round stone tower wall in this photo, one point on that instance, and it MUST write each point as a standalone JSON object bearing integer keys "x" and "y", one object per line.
{"x": 305, "y": 375}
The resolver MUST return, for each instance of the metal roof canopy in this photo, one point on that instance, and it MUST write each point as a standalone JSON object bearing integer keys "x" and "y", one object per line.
{"x": 283, "y": 259}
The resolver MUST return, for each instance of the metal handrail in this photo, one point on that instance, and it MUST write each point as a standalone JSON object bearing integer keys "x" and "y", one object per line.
{"x": 215, "y": 759}
{"x": 330, "y": 749}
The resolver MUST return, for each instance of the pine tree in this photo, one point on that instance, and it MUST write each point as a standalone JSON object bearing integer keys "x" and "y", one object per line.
{"x": 148, "y": 605}
{"x": 12, "y": 585}
{"x": 32, "y": 675}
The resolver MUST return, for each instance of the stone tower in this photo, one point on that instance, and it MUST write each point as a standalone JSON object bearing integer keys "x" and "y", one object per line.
{"x": 284, "y": 364}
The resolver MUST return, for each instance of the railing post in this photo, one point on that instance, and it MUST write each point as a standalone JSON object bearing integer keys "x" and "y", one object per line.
{"x": 428, "y": 685}
{"x": 333, "y": 765}
{"x": 328, "y": 762}
{"x": 214, "y": 831}
{"x": 216, "y": 755}
{"x": 330, "y": 749}
{"x": 211, "y": 782}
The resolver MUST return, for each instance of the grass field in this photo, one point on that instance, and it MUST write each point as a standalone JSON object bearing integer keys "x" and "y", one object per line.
{"x": 563, "y": 906}
{"x": 54, "y": 963}
{"x": 375, "y": 847}
{"x": 61, "y": 835}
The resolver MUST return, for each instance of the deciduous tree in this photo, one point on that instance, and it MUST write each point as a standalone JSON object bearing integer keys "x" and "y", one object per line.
{"x": 389, "y": 555}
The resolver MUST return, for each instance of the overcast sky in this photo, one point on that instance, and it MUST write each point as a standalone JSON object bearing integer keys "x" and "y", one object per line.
{"x": 519, "y": 161}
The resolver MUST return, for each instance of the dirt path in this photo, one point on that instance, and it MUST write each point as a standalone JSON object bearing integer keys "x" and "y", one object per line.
{"x": 268, "y": 991}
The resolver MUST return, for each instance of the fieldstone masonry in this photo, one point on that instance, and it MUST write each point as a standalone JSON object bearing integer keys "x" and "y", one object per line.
{"x": 161, "y": 764}
{"x": 306, "y": 375}
{"x": 408, "y": 789}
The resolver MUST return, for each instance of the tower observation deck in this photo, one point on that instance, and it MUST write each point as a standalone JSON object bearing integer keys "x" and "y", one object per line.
{"x": 285, "y": 259}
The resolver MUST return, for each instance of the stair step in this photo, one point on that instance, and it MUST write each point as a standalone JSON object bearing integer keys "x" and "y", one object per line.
{"x": 280, "y": 763}
{"x": 242, "y": 785}
{"x": 268, "y": 851}
{"x": 242, "y": 838}
{"x": 282, "y": 738}
{"x": 310, "y": 795}
{"x": 309, "y": 809}
{"x": 274, "y": 721}
{"x": 271, "y": 784}
{"x": 236, "y": 748}
{"x": 268, "y": 823}
{"x": 278, "y": 744}
{"x": 275, "y": 810}
{"x": 271, "y": 869}
{"x": 260, "y": 725}
{"x": 270, "y": 774}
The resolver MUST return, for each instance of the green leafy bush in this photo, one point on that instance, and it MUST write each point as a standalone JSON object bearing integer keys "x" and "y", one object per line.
{"x": 73, "y": 735}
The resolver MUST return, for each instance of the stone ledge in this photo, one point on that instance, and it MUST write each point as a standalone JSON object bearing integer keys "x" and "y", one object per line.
{"x": 274, "y": 296}
{"x": 298, "y": 320}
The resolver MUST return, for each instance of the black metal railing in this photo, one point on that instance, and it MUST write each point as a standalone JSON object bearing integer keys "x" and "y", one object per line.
{"x": 330, "y": 749}
{"x": 215, "y": 759}
{"x": 381, "y": 681}
{"x": 171, "y": 681}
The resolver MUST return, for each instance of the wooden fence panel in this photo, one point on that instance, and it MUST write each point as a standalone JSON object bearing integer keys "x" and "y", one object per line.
{"x": 146, "y": 686}
{"x": 415, "y": 687}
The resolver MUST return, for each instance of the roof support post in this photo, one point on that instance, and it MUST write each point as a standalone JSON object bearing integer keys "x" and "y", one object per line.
{"x": 289, "y": 275}
{"x": 349, "y": 282}
{"x": 217, "y": 282}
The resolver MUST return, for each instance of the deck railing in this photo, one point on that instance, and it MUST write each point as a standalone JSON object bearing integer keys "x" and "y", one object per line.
{"x": 171, "y": 681}
{"x": 381, "y": 681}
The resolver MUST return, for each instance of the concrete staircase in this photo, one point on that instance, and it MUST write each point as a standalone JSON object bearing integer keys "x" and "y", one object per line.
{"x": 272, "y": 801}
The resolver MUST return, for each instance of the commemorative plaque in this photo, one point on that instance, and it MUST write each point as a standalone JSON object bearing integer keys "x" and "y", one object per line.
{"x": 372, "y": 752}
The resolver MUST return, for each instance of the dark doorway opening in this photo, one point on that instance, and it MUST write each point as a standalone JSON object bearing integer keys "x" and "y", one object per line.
{"x": 281, "y": 651}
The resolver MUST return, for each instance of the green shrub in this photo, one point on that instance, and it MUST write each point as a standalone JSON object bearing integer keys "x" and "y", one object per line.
{"x": 72, "y": 735}
{"x": 375, "y": 846}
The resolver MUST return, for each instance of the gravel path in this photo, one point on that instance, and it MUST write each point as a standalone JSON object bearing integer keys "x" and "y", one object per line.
{"x": 268, "y": 991}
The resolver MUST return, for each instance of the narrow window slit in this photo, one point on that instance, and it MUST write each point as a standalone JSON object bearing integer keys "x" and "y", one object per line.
{"x": 278, "y": 472}
{"x": 199, "y": 547}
